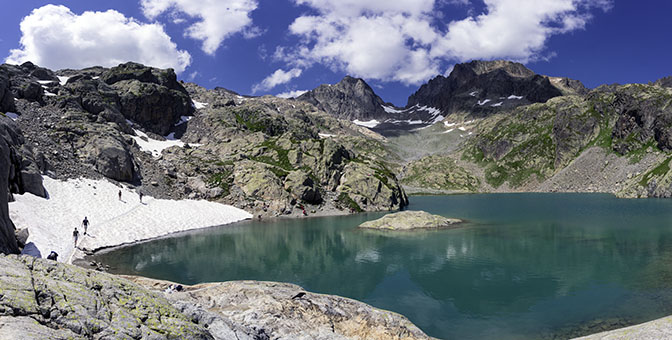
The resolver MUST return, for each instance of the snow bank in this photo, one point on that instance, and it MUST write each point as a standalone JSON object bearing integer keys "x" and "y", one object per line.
{"x": 113, "y": 222}
{"x": 63, "y": 80}
{"x": 483, "y": 102}
{"x": 184, "y": 119}
{"x": 199, "y": 105}
{"x": 513, "y": 96}
{"x": 390, "y": 109}
{"x": 369, "y": 124}
{"x": 155, "y": 147}
{"x": 497, "y": 104}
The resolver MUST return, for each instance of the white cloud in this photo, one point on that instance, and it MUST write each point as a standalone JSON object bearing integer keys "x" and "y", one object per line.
{"x": 405, "y": 40}
{"x": 193, "y": 75}
{"x": 291, "y": 94}
{"x": 513, "y": 29}
{"x": 276, "y": 78}
{"x": 55, "y": 37}
{"x": 219, "y": 19}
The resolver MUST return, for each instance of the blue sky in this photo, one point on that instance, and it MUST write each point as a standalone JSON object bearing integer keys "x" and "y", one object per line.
{"x": 279, "y": 46}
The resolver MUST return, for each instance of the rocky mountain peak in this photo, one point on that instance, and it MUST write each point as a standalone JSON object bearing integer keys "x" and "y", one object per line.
{"x": 509, "y": 67}
{"x": 351, "y": 98}
{"x": 482, "y": 87}
{"x": 664, "y": 82}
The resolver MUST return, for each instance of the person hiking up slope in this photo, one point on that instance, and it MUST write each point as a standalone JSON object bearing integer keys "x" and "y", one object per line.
{"x": 75, "y": 236}
{"x": 85, "y": 223}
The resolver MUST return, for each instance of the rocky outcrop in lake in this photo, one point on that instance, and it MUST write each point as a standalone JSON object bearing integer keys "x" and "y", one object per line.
{"x": 410, "y": 220}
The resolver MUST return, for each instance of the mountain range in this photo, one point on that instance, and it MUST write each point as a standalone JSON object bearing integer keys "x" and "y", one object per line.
{"x": 490, "y": 126}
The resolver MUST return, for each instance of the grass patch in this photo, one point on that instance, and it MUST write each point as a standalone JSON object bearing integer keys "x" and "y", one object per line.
{"x": 345, "y": 200}
{"x": 223, "y": 180}
{"x": 250, "y": 120}
{"x": 662, "y": 169}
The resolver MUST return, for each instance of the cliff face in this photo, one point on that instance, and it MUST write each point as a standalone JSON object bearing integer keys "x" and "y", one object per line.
{"x": 352, "y": 98}
{"x": 7, "y": 240}
{"x": 484, "y": 87}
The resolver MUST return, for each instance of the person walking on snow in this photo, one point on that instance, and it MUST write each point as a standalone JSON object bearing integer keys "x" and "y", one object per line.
{"x": 140, "y": 194}
{"x": 85, "y": 223}
{"x": 75, "y": 235}
{"x": 120, "y": 195}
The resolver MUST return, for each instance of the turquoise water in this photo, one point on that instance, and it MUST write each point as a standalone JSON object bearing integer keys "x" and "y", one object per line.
{"x": 526, "y": 266}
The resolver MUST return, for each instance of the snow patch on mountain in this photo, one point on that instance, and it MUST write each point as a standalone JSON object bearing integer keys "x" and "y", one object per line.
{"x": 369, "y": 124}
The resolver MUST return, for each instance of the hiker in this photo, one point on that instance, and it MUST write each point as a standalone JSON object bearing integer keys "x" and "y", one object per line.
{"x": 75, "y": 235}
{"x": 53, "y": 256}
{"x": 120, "y": 195}
{"x": 85, "y": 223}
{"x": 140, "y": 194}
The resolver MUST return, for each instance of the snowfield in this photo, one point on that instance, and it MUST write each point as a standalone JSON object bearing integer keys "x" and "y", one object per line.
{"x": 369, "y": 124}
{"x": 113, "y": 222}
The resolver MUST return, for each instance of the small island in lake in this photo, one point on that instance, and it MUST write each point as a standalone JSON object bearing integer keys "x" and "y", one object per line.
{"x": 411, "y": 220}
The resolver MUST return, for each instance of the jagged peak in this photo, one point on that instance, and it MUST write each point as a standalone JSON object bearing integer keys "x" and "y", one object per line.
{"x": 486, "y": 66}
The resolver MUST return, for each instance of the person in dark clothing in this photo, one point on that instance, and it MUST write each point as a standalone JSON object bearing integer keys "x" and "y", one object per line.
{"x": 75, "y": 235}
{"x": 140, "y": 194}
{"x": 53, "y": 256}
{"x": 120, "y": 195}
{"x": 85, "y": 223}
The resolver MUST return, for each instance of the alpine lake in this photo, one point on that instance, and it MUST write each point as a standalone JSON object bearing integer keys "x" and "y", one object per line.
{"x": 524, "y": 266}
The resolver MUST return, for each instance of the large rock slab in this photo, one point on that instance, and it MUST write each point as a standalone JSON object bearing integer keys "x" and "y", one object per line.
{"x": 410, "y": 220}
{"x": 652, "y": 330}
{"x": 43, "y": 299}
{"x": 274, "y": 310}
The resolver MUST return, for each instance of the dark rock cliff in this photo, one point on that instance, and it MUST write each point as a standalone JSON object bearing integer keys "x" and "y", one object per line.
{"x": 352, "y": 98}
{"x": 482, "y": 87}
{"x": 8, "y": 243}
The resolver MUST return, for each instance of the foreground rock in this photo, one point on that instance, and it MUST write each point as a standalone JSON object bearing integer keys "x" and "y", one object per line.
{"x": 410, "y": 220}
{"x": 42, "y": 299}
{"x": 273, "y": 310}
{"x": 656, "y": 329}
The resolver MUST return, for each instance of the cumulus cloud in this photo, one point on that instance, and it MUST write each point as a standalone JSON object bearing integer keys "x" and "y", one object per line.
{"x": 514, "y": 29}
{"x": 406, "y": 41}
{"x": 291, "y": 94}
{"x": 276, "y": 78}
{"x": 55, "y": 37}
{"x": 219, "y": 19}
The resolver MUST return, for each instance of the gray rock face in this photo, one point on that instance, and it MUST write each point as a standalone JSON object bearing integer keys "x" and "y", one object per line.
{"x": 274, "y": 310}
{"x": 664, "y": 82}
{"x": 43, "y": 299}
{"x": 8, "y": 243}
{"x": 151, "y": 97}
{"x": 111, "y": 158}
{"x": 6, "y": 97}
{"x": 302, "y": 187}
{"x": 350, "y": 99}
{"x": 410, "y": 220}
{"x": 24, "y": 175}
{"x": 483, "y": 87}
